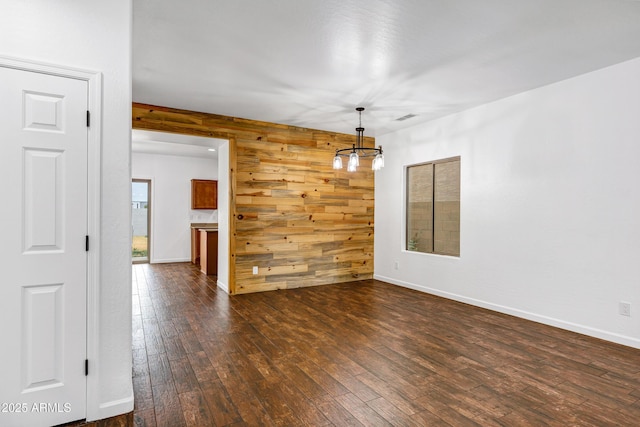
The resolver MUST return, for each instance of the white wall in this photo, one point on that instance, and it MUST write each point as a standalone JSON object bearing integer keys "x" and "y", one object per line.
{"x": 94, "y": 35}
{"x": 171, "y": 212}
{"x": 550, "y": 208}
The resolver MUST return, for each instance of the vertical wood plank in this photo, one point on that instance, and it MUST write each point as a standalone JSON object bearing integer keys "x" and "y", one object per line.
{"x": 286, "y": 201}
{"x": 233, "y": 165}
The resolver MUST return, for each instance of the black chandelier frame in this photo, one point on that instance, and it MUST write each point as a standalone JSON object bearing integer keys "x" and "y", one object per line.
{"x": 359, "y": 147}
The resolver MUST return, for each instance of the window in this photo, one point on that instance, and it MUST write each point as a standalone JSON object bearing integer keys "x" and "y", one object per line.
{"x": 434, "y": 227}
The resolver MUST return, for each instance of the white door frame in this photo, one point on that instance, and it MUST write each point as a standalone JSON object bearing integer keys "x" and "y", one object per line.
{"x": 94, "y": 82}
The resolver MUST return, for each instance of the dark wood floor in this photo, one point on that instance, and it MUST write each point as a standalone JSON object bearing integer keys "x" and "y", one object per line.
{"x": 363, "y": 353}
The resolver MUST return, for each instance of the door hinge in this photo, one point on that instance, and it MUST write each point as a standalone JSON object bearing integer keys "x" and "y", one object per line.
{"x": 88, "y": 118}
{"x": 86, "y": 367}
{"x": 86, "y": 243}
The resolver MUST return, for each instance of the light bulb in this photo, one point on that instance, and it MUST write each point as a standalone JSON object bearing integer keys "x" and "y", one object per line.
{"x": 353, "y": 162}
{"x": 337, "y": 162}
{"x": 355, "y": 155}
{"x": 377, "y": 163}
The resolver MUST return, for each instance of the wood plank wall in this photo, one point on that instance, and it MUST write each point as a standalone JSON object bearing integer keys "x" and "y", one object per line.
{"x": 294, "y": 217}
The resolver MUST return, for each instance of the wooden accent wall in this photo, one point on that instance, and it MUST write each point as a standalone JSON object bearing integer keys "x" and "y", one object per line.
{"x": 294, "y": 217}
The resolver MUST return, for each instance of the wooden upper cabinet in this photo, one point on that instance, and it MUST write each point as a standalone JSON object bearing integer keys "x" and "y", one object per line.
{"x": 204, "y": 194}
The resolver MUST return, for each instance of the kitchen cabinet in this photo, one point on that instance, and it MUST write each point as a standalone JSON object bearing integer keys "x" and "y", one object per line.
{"x": 195, "y": 246}
{"x": 209, "y": 251}
{"x": 195, "y": 238}
{"x": 204, "y": 194}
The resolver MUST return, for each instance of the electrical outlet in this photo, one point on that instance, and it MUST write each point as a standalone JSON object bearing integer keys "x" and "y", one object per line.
{"x": 625, "y": 308}
{"x": 396, "y": 265}
{"x": 255, "y": 269}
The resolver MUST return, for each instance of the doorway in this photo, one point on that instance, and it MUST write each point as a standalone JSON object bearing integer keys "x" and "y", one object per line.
{"x": 140, "y": 220}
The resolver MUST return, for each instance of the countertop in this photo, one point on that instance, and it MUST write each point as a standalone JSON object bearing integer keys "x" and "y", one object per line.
{"x": 207, "y": 226}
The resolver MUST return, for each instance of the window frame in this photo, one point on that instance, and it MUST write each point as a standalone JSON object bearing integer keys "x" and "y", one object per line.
{"x": 405, "y": 240}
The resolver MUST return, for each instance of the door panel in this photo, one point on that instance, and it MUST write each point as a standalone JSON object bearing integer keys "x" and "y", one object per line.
{"x": 43, "y": 197}
{"x": 42, "y": 332}
{"x": 43, "y": 168}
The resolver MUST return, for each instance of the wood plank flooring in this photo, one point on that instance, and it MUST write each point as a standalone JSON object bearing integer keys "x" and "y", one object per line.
{"x": 362, "y": 353}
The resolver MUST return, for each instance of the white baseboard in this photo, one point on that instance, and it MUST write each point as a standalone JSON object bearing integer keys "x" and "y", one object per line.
{"x": 558, "y": 323}
{"x": 223, "y": 286}
{"x": 167, "y": 261}
{"x": 112, "y": 409}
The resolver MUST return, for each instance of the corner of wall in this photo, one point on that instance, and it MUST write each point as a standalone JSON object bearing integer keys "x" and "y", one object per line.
{"x": 112, "y": 409}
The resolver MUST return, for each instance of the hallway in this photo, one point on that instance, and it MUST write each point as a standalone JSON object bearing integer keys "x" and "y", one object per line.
{"x": 362, "y": 353}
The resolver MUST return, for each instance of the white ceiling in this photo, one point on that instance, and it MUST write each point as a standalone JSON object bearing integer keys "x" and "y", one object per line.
{"x": 311, "y": 62}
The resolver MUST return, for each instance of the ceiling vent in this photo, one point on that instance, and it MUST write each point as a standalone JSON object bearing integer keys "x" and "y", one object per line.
{"x": 403, "y": 118}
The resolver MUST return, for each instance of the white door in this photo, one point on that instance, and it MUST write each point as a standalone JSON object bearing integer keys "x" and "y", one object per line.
{"x": 43, "y": 224}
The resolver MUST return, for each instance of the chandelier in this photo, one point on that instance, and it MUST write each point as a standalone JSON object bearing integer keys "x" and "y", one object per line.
{"x": 358, "y": 150}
